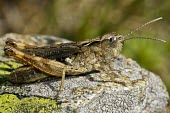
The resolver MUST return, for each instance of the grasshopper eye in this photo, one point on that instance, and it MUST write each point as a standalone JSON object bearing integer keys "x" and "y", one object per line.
{"x": 112, "y": 38}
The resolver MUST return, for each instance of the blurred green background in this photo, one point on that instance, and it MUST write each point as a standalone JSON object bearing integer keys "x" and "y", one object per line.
{"x": 80, "y": 19}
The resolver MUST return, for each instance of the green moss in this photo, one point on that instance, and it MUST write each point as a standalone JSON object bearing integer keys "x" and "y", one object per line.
{"x": 9, "y": 103}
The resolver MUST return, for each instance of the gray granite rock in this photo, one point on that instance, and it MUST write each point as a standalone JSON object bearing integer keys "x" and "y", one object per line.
{"x": 95, "y": 92}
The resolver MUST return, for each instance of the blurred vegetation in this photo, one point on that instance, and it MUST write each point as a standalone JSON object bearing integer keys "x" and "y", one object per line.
{"x": 80, "y": 19}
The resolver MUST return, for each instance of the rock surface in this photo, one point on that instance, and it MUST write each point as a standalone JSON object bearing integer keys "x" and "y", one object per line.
{"x": 91, "y": 92}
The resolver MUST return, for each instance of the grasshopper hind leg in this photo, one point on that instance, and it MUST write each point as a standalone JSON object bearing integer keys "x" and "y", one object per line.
{"x": 51, "y": 67}
{"x": 29, "y": 74}
{"x": 26, "y": 74}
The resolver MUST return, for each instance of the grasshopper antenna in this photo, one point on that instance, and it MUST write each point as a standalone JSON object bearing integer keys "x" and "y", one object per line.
{"x": 145, "y": 38}
{"x": 152, "y": 21}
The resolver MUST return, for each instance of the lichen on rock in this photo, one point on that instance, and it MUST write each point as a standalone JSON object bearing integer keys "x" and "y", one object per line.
{"x": 10, "y": 103}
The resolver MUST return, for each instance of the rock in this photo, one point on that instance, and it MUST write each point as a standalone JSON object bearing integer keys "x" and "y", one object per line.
{"x": 90, "y": 93}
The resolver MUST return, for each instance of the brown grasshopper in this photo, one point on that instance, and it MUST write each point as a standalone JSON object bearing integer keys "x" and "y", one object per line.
{"x": 66, "y": 58}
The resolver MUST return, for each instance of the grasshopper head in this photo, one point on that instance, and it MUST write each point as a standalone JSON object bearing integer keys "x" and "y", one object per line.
{"x": 112, "y": 39}
{"x": 112, "y": 43}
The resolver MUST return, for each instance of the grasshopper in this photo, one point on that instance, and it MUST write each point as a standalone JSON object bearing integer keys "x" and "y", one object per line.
{"x": 66, "y": 58}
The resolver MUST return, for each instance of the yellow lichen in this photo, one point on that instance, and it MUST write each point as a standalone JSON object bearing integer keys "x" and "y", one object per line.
{"x": 9, "y": 103}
